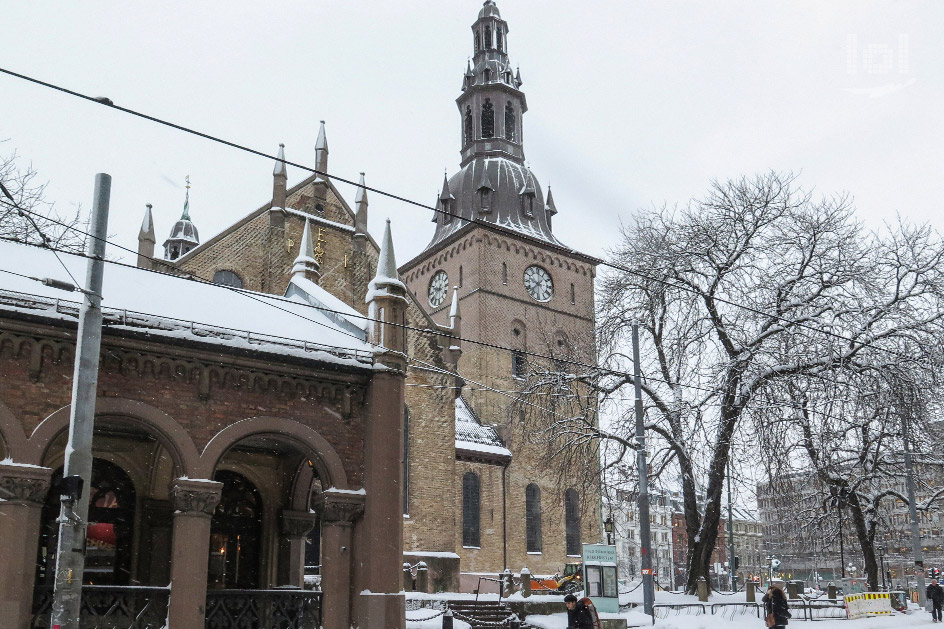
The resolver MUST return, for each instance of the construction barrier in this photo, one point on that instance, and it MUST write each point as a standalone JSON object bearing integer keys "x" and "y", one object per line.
{"x": 868, "y": 604}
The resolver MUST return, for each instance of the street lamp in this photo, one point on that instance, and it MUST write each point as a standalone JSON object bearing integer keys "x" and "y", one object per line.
{"x": 881, "y": 558}
{"x": 608, "y": 527}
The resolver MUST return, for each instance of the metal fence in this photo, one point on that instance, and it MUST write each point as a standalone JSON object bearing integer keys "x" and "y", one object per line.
{"x": 109, "y": 607}
{"x": 263, "y": 609}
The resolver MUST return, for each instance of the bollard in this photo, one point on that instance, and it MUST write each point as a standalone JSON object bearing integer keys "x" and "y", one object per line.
{"x": 407, "y": 578}
{"x": 422, "y": 577}
{"x": 831, "y": 592}
{"x": 750, "y": 589}
{"x": 447, "y": 619}
{"x": 525, "y": 577}
{"x": 702, "y": 589}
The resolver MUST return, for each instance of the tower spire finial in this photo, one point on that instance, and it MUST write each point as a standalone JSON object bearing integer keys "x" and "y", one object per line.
{"x": 186, "y": 214}
{"x": 306, "y": 265}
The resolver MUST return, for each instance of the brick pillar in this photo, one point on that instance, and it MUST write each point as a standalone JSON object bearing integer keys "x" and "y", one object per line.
{"x": 295, "y": 525}
{"x": 23, "y": 490}
{"x": 379, "y": 536}
{"x": 338, "y": 511}
{"x": 194, "y": 503}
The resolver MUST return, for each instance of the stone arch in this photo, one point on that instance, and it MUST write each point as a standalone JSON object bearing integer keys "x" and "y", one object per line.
{"x": 172, "y": 435}
{"x": 326, "y": 460}
{"x": 12, "y": 437}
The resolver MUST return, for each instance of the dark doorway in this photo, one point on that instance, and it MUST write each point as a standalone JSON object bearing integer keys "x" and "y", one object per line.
{"x": 235, "y": 534}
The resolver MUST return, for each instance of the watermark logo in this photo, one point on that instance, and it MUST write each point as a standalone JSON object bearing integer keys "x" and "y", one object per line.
{"x": 884, "y": 68}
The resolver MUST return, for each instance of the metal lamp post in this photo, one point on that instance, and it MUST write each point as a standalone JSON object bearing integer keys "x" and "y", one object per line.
{"x": 608, "y": 527}
{"x": 881, "y": 559}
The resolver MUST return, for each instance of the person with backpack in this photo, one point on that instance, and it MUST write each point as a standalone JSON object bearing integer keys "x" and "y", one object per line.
{"x": 775, "y": 608}
{"x": 579, "y": 613}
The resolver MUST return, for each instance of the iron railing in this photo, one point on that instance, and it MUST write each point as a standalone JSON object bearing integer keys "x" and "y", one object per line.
{"x": 109, "y": 607}
{"x": 263, "y": 609}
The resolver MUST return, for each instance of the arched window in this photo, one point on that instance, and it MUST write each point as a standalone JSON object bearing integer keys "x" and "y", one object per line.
{"x": 572, "y": 521}
{"x": 460, "y": 276}
{"x": 488, "y": 37}
{"x": 478, "y": 43}
{"x": 468, "y": 124}
{"x": 227, "y": 278}
{"x": 532, "y": 496}
{"x": 487, "y": 74}
{"x": 488, "y": 119}
{"x": 498, "y": 36}
{"x": 573, "y": 294}
{"x": 406, "y": 460}
{"x": 235, "y": 534}
{"x": 470, "y": 509}
{"x": 509, "y": 121}
{"x": 504, "y": 272}
{"x": 110, "y": 530}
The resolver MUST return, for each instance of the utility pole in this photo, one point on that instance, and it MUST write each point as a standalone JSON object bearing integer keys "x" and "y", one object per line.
{"x": 645, "y": 536}
{"x": 77, "y": 473}
{"x": 913, "y": 511}
{"x": 731, "y": 557}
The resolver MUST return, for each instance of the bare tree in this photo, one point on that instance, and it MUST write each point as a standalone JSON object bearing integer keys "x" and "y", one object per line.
{"x": 756, "y": 284}
{"x": 26, "y": 216}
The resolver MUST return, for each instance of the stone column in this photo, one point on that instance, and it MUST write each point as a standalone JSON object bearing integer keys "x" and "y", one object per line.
{"x": 23, "y": 491}
{"x": 295, "y": 525}
{"x": 338, "y": 511}
{"x": 194, "y": 503}
{"x": 379, "y": 536}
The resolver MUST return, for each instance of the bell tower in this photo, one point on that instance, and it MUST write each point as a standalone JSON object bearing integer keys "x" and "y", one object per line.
{"x": 521, "y": 292}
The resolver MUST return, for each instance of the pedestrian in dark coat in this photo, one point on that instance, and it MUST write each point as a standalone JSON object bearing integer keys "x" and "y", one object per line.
{"x": 776, "y": 603}
{"x": 935, "y": 594}
{"x": 578, "y": 615}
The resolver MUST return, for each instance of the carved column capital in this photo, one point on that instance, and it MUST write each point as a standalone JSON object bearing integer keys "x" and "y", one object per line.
{"x": 24, "y": 484}
{"x": 195, "y": 497}
{"x": 339, "y": 506}
{"x": 297, "y": 523}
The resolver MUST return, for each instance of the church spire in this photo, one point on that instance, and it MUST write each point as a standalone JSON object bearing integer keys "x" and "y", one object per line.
{"x": 321, "y": 153}
{"x": 183, "y": 235}
{"x": 360, "y": 216}
{"x": 147, "y": 239}
{"x": 279, "y": 189}
{"x": 306, "y": 265}
{"x": 491, "y": 106}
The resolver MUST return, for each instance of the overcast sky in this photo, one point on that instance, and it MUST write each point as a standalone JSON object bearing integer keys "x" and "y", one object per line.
{"x": 630, "y": 103}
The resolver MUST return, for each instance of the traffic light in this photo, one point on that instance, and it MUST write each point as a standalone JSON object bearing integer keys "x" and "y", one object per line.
{"x": 737, "y": 562}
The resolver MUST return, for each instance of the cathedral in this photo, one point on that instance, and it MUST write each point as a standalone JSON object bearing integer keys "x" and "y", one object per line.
{"x": 233, "y": 463}
{"x": 477, "y": 496}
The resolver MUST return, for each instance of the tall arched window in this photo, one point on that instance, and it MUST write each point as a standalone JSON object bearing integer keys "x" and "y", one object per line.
{"x": 509, "y": 121}
{"x": 488, "y": 119}
{"x": 110, "y": 530}
{"x": 478, "y": 43}
{"x": 468, "y": 124}
{"x": 498, "y": 36}
{"x": 470, "y": 509}
{"x": 532, "y": 496}
{"x": 572, "y": 521}
{"x": 504, "y": 272}
{"x": 235, "y": 534}
{"x": 488, "y": 37}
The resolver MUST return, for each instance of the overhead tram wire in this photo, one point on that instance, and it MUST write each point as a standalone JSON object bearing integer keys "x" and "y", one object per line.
{"x": 476, "y": 221}
{"x": 269, "y": 298}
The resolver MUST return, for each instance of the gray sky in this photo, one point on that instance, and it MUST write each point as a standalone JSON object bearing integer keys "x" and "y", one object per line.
{"x": 630, "y": 103}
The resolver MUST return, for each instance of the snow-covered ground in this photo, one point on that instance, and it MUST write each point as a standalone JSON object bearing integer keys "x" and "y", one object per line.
{"x": 916, "y": 619}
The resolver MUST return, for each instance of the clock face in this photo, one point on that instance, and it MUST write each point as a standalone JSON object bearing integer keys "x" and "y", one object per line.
{"x": 438, "y": 286}
{"x": 538, "y": 283}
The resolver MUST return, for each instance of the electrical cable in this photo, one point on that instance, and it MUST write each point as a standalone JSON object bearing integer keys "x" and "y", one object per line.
{"x": 108, "y": 103}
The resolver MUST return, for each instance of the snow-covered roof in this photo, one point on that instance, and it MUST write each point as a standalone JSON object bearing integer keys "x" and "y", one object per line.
{"x": 167, "y": 306}
{"x": 475, "y": 439}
